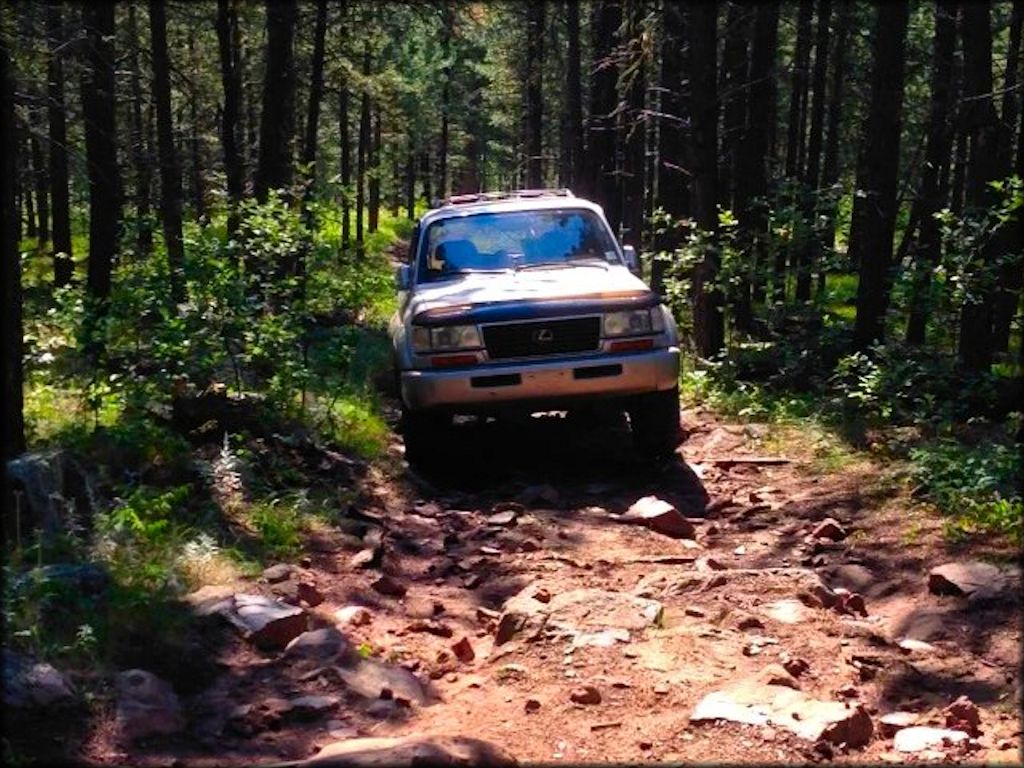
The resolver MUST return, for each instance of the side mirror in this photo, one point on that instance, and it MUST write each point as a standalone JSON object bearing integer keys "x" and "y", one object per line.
{"x": 403, "y": 277}
{"x": 632, "y": 260}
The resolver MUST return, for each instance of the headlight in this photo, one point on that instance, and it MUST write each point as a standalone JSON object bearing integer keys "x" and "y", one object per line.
{"x": 445, "y": 338}
{"x": 635, "y": 322}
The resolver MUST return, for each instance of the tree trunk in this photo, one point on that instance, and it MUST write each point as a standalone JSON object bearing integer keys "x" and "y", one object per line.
{"x": 796, "y": 129}
{"x": 874, "y": 209}
{"x": 734, "y": 94}
{"x": 830, "y": 166}
{"x": 39, "y": 176}
{"x": 140, "y": 156}
{"x": 752, "y": 175}
{"x": 984, "y": 166}
{"x": 63, "y": 266}
{"x": 362, "y": 151}
{"x": 634, "y": 125}
{"x": 11, "y": 331}
{"x": 231, "y": 82}
{"x": 316, "y": 92}
{"x": 534, "y": 95}
{"x": 277, "y": 121}
{"x": 1010, "y": 273}
{"x": 811, "y": 250}
{"x": 673, "y": 181}
{"x": 346, "y": 168}
{"x": 708, "y": 321}
{"x": 574, "y": 93}
{"x": 374, "y": 180}
{"x": 426, "y": 168}
{"x": 939, "y": 144}
{"x": 25, "y": 193}
{"x": 195, "y": 143}
{"x": 410, "y": 182}
{"x": 446, "y": 97}
{"x": 170, "y": 171}
{"x": 99, "y": 109}
{"x": 601, "y": 146}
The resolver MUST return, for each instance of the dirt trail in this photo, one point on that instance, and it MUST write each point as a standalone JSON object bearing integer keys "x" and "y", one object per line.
{"x": 531, "y": 506}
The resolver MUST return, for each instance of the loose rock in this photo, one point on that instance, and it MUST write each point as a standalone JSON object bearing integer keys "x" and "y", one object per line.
{"x": 919, "y": 738}
{"x": 264, "y": 622}
{"x": 963, "y": 715}
{"x": 386, "y": 585}
{"x": 585, "y": 695}
{"x": 356, "y": 615}
{"x": 409, "y": 751}
{"x": 659, "y": 516}
{"x": 830, "y": 529}
{"x": 463, "y": 650}
{"x": 890, "y": 723}
{"x": 278, "y": 573}
{"x": 146, "y": 706}
{"x": 33, "y": 684}
{"x": 318, "y": 645}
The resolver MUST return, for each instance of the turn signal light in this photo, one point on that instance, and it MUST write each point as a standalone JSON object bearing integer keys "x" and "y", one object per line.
{"x": 630, "y": 345}
{"x": 451, "y": 361}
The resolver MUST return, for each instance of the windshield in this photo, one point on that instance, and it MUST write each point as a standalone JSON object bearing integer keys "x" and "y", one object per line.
{"x": 514, "y": 240}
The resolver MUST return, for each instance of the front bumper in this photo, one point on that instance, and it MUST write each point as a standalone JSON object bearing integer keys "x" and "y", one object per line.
{"x": 540, "y": 384}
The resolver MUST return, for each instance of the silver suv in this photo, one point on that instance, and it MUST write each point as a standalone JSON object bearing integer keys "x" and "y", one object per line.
{"x": 525, "y": 302}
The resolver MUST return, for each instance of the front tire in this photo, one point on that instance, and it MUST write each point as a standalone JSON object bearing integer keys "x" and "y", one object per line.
{"x": 424, "y": 434}
{"x": 654, "y": 422}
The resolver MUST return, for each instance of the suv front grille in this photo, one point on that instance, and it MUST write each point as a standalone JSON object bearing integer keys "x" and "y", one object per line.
{"x": 542, "y": 337}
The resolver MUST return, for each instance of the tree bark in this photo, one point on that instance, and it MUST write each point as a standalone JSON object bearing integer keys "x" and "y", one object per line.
{"x": 975, "y": 345}
{"x": 346, "y": 168}
{"x": 170, "y": 171}
{"x": 734, "y": 94}
{"x": 26, "y": 190}
{"x": 634, "y": 129}
{"x": 42, "y": 196}
{"x": 874, "y": 209}
{"x": 938, "y": 146}
{"x": 63, "y": 266}
{"x": 277, "y": 121}
{"x": 11, "y": 331}
{"x": 99, "y": 110}
{"x": 446, "y": 96}
{"x": 140, "y": 150}
{"x": 195, "y": 142}
{"x": 811, "y": 251}
{"x": 316, "y": 91}
{"x": 574, "y": 93}
{"x": 1011, "y": 275}
{"x": 752, "y": 180}
{"x": 374, "y": 180}
{"x": 708, "y": 320}
{"x": 603, "y": 184}
{"x": 363, "y": 149}
{"x": 796, "y": 129}
{"x": 534, "y": 95}
{"x": 231, "y": 82}
{"x": 830, "y": 165}
{"x": 410, "y": 182}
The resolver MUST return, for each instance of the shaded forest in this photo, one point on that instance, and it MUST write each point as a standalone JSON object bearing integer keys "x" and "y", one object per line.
{"x": 201, "y": 203}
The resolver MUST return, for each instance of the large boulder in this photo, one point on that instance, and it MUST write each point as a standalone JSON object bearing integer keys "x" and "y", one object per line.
{"x": 975, "y": 580}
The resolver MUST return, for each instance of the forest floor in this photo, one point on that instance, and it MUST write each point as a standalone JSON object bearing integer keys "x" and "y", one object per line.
{"x": 502, "y": 543}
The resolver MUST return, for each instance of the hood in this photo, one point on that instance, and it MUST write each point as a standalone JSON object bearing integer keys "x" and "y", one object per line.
{"x": 495, "y": 297}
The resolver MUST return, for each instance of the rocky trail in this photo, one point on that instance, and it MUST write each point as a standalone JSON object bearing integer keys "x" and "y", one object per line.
{"x": 550, "y": 598}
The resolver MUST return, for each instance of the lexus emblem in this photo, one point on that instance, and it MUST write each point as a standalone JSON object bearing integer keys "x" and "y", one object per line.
{"x": 544, "y": 335}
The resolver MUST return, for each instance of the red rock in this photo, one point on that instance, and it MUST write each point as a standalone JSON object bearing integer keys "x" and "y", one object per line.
{"x": 749, "y": 622}
{"x": 364, "y": 558}
{"x": 309, "y": 594}
{"x": 542, "y": 595}
{"x": 849, "y": 691}
{"x": 659, "y": 516}
{"x": 710, "y": 564}
{"x": 430, "y": 627}
{"x": 855, "y": 604}
{"x": 356, "y": 615}
{"x": 830, "y": 529}
{"x": 586, "y": 694}
{"x": 463, "y": 650}
{"x": 795, "y": 666}
{"x": 963, "y": 715}
{"x": 531, "y": 705}
{"x": 386, "y": 585}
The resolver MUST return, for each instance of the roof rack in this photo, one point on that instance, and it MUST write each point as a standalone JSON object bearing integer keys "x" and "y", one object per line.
{"x": 482, "y": 197}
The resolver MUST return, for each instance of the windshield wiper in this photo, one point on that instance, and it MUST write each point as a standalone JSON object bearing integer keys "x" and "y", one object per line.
{"x": 590, "y": 261}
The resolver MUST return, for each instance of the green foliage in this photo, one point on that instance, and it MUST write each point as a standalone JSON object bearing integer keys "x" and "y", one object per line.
{"x": 978, "y": 487}
{"x": 278, "y": 525}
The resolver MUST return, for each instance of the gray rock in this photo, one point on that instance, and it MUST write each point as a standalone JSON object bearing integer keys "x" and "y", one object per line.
{"x": 29, "y": 684}
{"x": 264, "y": 622}
{"x": 659, "y": 516}
{"x": 409, "y": 751}
{"x": 919, "y": 738}
{"x": 975, "y": 580}
{"x": 754, "y": 702}
{"x": 279, "y": 572}
{"x": 317, "y": 645}
{"x": 306, "y": 707}
{"x": 57, "y": 493}
{"x": 146, "y": 706}
{"x": 369, "y": 677}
